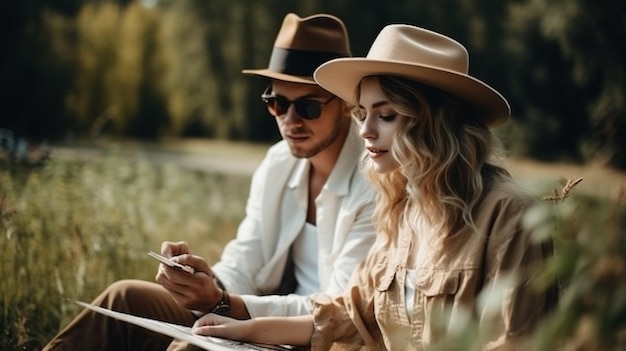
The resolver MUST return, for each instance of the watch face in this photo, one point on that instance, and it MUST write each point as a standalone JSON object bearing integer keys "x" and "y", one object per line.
{"x": 223, "y": 310}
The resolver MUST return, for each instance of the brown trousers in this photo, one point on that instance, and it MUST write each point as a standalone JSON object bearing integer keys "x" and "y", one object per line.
{"x": 94, "y": 331}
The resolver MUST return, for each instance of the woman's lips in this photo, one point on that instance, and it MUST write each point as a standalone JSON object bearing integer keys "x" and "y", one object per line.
{"x": 375, "y": 153}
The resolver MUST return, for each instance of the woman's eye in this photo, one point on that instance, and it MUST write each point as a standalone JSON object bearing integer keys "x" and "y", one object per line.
{"x": 388, "y": 118}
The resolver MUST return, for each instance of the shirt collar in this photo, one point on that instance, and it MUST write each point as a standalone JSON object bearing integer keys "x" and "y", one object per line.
{"x": 340, "y": 177}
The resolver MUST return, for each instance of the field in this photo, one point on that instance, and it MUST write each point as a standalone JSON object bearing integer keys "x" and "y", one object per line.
{"x": 86, "y": 218}
{"x": 68, "y": 229}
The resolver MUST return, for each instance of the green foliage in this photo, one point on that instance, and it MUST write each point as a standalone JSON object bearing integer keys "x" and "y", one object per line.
{"x": 117, "y": 75}
{"x": 174, "y": 69}
{"x": 67, "y": 230}
{"x": 96, "y": 43}
{"x": 590, "y": 265}
{"x": 567, "y": 78}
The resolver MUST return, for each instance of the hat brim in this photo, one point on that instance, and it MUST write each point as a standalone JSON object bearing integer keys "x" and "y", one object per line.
{"x": 342, "y": 76}
{"x": 266, "y": 73}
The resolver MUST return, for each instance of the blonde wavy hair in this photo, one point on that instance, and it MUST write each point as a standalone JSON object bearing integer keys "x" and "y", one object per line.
{"x": 446, "y": 156}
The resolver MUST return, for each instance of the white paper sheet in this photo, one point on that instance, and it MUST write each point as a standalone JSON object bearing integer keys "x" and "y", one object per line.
{"x": 184, "y": 333}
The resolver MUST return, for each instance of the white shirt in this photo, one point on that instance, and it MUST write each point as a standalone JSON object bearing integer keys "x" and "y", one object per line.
{"x": 409, "y": 291}
{"x": 421, "y": 251}
{"x": 304, "y": 253}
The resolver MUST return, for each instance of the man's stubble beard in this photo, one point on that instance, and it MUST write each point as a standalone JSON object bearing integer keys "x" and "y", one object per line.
{"x": 321, "y": 145}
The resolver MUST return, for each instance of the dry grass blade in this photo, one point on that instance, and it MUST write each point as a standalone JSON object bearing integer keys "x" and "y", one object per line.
{"x": 565, "y": 191}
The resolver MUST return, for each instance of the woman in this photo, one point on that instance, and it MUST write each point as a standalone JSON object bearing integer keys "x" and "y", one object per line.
{"x": 452, "y": 252}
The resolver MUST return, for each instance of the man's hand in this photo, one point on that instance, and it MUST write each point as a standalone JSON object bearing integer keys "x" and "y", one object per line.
{"x": 196, "y": 291}
{"x": 171, "y": 248}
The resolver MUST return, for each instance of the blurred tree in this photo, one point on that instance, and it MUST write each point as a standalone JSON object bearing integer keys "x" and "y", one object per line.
{"x": 98, "y": 28}
{"x": 205, "y": 46}
{"x": 186, "y": 74}
{"x": 259, "y": 28}
{"x": 221, "y": 24}
{"x": 568, "y": 72}
{"x": 32, "y": 76}
{"x": 37, "y": 65}
{"x": 257, "y": 24}
{"x": 593, "y": 37}
{"x": 137, "y": 92}
{"x": 174, "y": 66}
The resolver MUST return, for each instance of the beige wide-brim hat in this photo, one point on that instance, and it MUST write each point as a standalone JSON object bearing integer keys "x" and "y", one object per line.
{"x": 302, "y": 45}
{"x": 421, "y": 55}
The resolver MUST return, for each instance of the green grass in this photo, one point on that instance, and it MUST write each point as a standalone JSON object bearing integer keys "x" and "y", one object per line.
{"x": 590, "y": 265}
{"x": 68, "y": 229}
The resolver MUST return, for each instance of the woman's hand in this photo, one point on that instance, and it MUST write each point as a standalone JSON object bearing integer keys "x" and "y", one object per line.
{"x": 224, "y": 327}
{"x": 263, "y": 330}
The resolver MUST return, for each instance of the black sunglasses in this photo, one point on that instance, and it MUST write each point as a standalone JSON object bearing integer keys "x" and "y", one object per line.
{"x": 278, "y": 105}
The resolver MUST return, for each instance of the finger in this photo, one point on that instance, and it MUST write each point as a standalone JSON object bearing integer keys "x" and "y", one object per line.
{"x": 184, "y": 277}
{"x": 197, "y": 262}
{"x": 177, "y": 276}
{"x": 211, "y": 319}
{"x": 211, "y": 324}
{"x": 208, "y": 330}
{"x": 179, "y": 292}
{"x": 174, "y": 280}
{"x": 221, "y": 326}
{"x": 171, "y": 248}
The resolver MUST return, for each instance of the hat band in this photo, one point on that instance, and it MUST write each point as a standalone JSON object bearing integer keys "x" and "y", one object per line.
{"x": 299, "y": 62}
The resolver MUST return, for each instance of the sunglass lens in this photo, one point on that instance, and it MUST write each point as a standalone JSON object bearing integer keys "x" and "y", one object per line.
{"x": 279, "y": 105}
{"x": 308, "y": 109}
{"x": 282, "y": 105}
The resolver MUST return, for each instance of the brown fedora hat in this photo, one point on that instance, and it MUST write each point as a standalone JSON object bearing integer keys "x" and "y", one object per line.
{"x": 421, "y": 55}
{"x": 302, "y": 45}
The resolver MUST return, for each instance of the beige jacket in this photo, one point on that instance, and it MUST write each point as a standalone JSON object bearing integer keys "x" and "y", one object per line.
{"x": 372, "y": 311}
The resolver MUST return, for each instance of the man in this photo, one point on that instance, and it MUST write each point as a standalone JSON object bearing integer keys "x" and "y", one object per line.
{"x": 308, "y": 217}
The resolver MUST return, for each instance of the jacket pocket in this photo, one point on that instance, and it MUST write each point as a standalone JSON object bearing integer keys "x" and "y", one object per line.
{"x": 440, "y": 283}
{"x": 383, "y": 273}
{"x": 433, "y": 308}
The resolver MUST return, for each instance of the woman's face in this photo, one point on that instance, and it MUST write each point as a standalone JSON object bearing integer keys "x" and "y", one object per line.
{"x": 378, "y": 125}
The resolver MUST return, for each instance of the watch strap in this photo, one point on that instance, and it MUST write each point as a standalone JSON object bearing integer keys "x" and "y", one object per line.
{"x": 223, "y": 306}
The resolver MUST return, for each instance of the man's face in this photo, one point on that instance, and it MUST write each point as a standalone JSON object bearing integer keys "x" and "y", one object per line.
{"x": 309, "y": 137}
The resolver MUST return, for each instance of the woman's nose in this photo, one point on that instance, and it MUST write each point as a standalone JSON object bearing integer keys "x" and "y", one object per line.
{"x": 367, "y": 129}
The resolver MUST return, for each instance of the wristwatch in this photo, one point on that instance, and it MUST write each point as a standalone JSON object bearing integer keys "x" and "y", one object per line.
{"x": 223, "y": 307}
